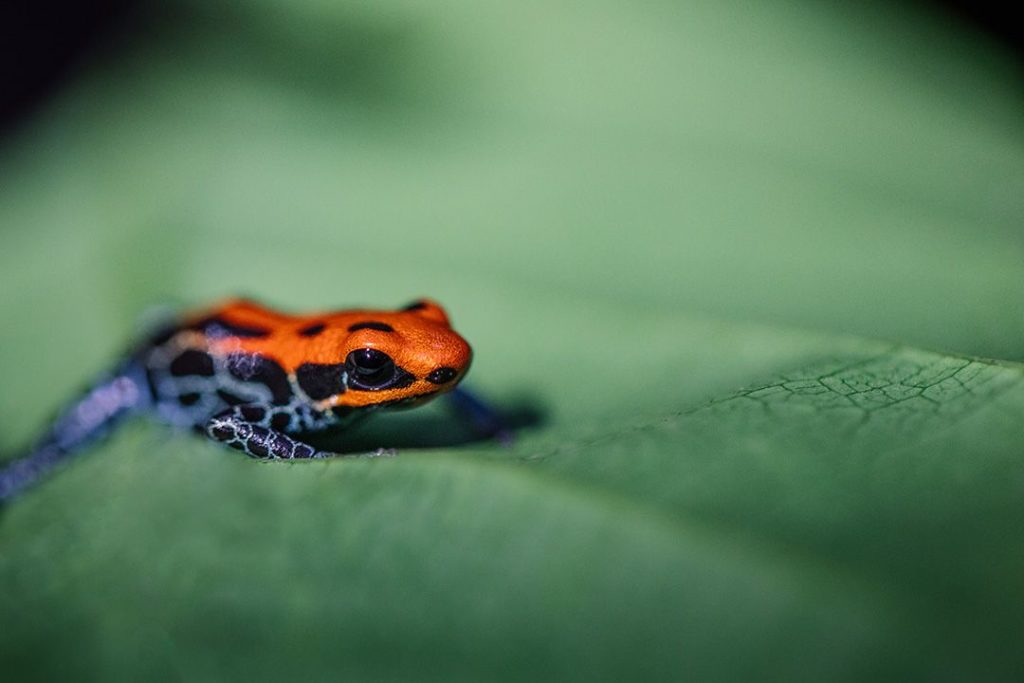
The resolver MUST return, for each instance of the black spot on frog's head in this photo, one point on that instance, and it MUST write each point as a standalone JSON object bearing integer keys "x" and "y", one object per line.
{"x": 371, "y": 325}
{"x": 431, "y": 310}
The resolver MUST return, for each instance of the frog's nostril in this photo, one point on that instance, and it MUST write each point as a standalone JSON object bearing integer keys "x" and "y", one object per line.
{"x": 442, "y": 375}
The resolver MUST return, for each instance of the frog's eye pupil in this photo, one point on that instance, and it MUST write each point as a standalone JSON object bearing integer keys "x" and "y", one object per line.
{"x": 369, "y": 368}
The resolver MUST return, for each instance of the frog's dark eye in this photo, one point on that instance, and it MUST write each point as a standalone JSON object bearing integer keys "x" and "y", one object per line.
{"x": 369, "y": 369}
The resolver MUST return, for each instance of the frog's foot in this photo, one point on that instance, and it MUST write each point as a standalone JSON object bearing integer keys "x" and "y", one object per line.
{"x": 236, "y": 428}
{"x": 481, "y": 416}
{"x": 382, "y": 453}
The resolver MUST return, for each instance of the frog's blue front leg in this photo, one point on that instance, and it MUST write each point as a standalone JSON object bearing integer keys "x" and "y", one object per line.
{"x": 482, "y": 417}
{"x": 81, "y": 423}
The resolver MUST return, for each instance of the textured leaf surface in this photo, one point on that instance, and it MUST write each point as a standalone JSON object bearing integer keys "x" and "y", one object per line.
{"x": 637, "y": 216}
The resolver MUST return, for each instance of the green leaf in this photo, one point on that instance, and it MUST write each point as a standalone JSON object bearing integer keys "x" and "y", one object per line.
{"x": 673, "y": 233}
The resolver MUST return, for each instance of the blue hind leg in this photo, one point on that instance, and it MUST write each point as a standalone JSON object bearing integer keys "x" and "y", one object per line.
{"x": 80, "y": 424}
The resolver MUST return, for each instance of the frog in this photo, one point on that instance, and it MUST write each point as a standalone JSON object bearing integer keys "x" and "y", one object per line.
{"x": 262, "y": 381}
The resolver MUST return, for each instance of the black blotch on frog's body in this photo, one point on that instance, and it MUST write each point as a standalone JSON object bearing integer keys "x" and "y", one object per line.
{"x": 280, "y": 421}
{"x": 230, "y": 398}
{"x": 321, "y": 380}
{"x": 250, "y": 367}
{"x": 252, "y": 413}
{"x": 192, "y": 362}
{"x": 189, "y": 399}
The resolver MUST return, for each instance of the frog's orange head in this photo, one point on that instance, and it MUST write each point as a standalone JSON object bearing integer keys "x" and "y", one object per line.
{"x": 400, "y": 358}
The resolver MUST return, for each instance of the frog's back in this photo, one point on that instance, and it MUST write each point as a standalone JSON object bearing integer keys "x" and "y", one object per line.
{"x": 192, "y": 373}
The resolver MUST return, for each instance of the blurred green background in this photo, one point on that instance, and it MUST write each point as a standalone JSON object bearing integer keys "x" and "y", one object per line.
{"x": 746, "y": 263}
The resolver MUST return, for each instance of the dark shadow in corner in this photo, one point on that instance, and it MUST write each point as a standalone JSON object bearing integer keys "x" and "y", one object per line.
{"x": 45, "y": 46}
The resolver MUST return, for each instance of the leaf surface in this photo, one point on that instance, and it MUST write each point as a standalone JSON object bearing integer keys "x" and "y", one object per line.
{"x": 674, "y": 235}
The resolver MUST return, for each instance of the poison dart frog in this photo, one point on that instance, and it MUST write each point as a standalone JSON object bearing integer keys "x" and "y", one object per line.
{"x": 257, "y": 380}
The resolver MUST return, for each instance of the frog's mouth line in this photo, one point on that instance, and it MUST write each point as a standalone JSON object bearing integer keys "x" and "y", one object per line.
{"x": 393, "y": 404}
{"x": 410, "y": 402}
